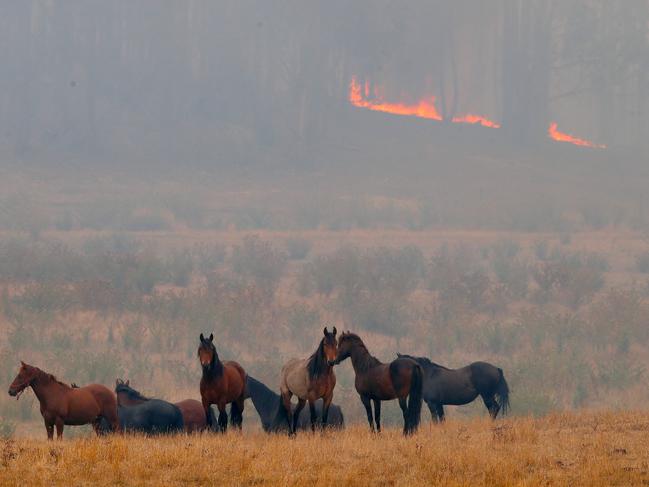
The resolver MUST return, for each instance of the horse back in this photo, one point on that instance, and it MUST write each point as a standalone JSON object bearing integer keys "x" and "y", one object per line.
{"x": 100, "y": 394}
{"x": 295, "y": 377}
{"x": 401, "y": 371}
{"x": 485, "y": 376}
{"x": 193, "y": 414}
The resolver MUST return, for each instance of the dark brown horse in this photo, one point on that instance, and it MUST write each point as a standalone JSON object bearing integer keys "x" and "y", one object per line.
{"x": 375, "y": 381}
{"x": 61, "y": 404}
{"x": 456, "y": 387}
{"x": 222, "y": 383}
{"x": 192, "y": 410}
{"x": 310, "y": 379}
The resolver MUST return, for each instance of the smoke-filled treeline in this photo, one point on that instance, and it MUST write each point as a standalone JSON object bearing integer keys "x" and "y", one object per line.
{"x": 248, "y": 81}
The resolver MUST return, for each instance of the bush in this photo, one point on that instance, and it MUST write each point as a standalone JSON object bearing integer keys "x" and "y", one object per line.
{"x": 7, "y": 428}
{"x": 259, "y": 261}
{"x": 642, "y": 263}
{"x": 298, "y": 248}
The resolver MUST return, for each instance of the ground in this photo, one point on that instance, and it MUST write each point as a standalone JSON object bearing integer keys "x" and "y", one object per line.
{"x": 579, "y": 448}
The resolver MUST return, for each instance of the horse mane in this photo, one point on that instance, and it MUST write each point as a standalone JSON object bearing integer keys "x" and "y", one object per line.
{"x": 425, "y": 361}
{"x": 317, "y": 365}
{"x": 52, "y": 377}
{"x": 367, "y": 360}
{"x": 132, "y": 393}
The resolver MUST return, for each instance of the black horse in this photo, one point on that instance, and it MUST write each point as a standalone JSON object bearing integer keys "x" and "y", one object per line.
{"x": 273, "y": 415}
{"x": 138, "y": 413}
{"x": 455, "y": 387}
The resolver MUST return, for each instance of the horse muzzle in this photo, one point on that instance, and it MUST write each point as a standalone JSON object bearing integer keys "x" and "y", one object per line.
{"x": 331, "y": 362}
{"x": 13, "y": 392}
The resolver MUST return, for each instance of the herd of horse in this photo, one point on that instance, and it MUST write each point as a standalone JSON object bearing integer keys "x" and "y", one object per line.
{"x": 411, "y": 380}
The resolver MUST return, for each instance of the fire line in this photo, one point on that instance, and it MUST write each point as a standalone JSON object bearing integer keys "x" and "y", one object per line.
{"x": 361, "y": 97}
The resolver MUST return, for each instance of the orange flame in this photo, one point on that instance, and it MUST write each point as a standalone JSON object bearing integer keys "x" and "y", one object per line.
{"x": 473, "y": 119}
{"x": 554, "y": 134}
{"x": 359, "y": 96}
{"x": 425, "y": 108}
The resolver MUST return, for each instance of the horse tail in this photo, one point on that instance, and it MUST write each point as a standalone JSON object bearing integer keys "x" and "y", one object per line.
{"x": 415, "y": 399}
{"x": 502, "y": 393}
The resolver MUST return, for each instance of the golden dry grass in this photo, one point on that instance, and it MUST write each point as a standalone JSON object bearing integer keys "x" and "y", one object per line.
{"x": 563, "y": 449}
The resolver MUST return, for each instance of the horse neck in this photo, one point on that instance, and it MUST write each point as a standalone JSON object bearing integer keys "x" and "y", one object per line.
{"x": 362, "y": 360}
{"x": 265, "y": 401}
{"x": 43, "y": 385}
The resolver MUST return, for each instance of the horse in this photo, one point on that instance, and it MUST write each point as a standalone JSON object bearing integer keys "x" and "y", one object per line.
{"x": 456, "y": 387}
{"x": 273, "y": 414}
{"x": 310, "y": 379}
{"x": 61, "y": 404}
{"x": 375, "y": 381}
{"x": 193, "y": 415}
{"x": 222, "y": 383}
{"x": 190, "y": 409}
{"x": 139, "y": 413}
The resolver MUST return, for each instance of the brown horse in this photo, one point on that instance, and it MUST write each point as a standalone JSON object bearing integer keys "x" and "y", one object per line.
{"x": 62, "y": 404}
{"x": 222, "y": 383}
{"x": 193, "y": 413}
{"x": 310, "y": 379}
{"x": 192, "y": 410}
{"x": 402, "y": 378}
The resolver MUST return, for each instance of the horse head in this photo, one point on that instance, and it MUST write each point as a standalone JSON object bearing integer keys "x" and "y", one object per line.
{"x": 346, "y": 343}
{"x": 206, "y": 351}
{"x": 25, "y": 378}
{"x": 330, "y": 345}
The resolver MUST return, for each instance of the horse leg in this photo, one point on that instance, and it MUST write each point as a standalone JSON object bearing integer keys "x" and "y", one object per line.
{"x": 326, "y": 402}
{"x": 368, "y": 408}
{"x": 492, "y": 406}
{"x": 377, "y": 414}
{"x": 440, "y": 411}
{"x": 59, "y": 429}
{"x": 314, "y": 416}
{"x": 286, "y": 402}
{"x": 403, "y": 404}
{"x": 49, "y": 427}
{"x": 236, "y": 413}
{"x": 296, "y": 415}
{"x": 433, "y": 411}
{"x": 208, "y": 415}
{"x": 223, "y": 417}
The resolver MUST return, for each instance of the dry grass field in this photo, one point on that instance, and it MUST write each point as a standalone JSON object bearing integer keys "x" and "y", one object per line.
{"x": 581, "y": 448}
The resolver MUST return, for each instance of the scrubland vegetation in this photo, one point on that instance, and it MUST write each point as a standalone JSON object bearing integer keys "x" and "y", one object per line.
{"x": 91, "y": 289}
{"x": 582, "y": 449}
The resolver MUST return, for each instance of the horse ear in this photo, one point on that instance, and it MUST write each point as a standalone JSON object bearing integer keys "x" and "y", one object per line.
{"x": 23, "y": 363}
{"x": 128, "y": 382}
{"x": 117, "y": 382}
{"x": 325, "y": 331}
{"x": 202, "y": 338}
{"x": 211, "y": 337}
{"x": 335, "y": 331}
